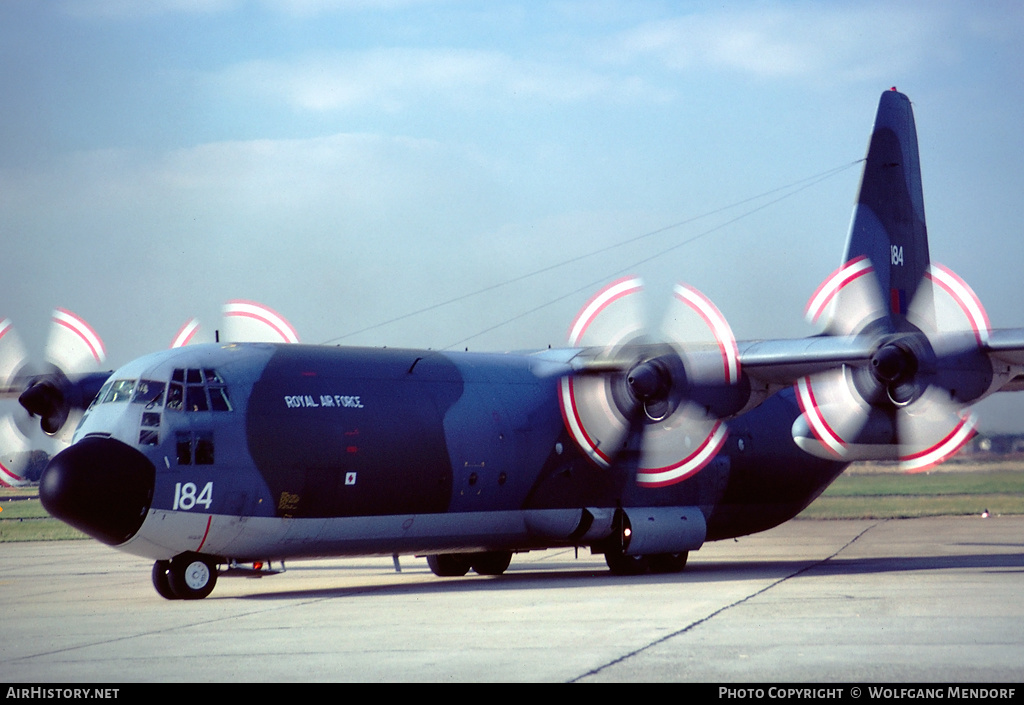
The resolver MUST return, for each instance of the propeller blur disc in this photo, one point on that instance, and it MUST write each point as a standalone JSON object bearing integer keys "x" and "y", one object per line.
{"x": 933, "y": 430}
{"x": 847, "y": 300}
{"x": 611, "y": 318}
{"x": 13, "y": 449}
{"x": 253, "y": 322}
{"x": 12, "y": 353}
{"x": 952, "y": 305}
{"x": 186, "y": 333}
{"x": 911, "y": 403}
{"x": 643, "y": 388}
{"x": 242, "y": 322}
{"x": 73, "y": 345}
{"x": 692, "y": 321}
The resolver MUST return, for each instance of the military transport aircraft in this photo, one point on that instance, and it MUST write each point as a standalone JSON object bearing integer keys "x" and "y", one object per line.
{"x": 226, "y": 458}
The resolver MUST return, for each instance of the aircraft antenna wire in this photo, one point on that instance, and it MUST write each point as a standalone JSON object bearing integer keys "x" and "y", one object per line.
{"x": 810, "y": 181}
{"x": 790, "y": 189}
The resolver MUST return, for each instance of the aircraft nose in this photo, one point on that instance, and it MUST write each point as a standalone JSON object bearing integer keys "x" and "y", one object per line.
{"x": 100, "y": 486}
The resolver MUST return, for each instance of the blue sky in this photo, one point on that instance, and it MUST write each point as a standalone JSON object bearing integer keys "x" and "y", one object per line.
{"x": 350, "y": 163}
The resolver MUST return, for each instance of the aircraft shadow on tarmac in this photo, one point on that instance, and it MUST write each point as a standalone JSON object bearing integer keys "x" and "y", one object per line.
{"x": 565, "y": 574}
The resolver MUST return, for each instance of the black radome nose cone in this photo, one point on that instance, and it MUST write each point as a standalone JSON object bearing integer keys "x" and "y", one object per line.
{"x": 100, "y": 486}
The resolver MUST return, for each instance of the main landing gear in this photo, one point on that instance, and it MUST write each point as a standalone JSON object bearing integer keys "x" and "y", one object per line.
{"x": 454, "y": 565}
{"x": 620, "y": 564}
{"x": 187, "y": 576}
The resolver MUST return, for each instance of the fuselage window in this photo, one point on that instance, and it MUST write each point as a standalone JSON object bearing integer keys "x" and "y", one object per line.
{"x": 204, "y": 448}
{"x": 194, "y": 447}
{"x": 149, "y": 433}
{"x": 183, "y": 446}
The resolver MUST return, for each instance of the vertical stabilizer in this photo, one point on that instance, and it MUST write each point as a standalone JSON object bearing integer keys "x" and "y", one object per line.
{"x": 888, "y": 221}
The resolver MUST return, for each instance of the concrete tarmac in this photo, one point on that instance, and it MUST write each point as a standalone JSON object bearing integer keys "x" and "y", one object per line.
{"x": 924, "y": 600}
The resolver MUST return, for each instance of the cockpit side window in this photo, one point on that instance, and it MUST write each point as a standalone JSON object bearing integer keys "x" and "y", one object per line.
{"x": 102, "y": 393}
{"x": 219, "y": 399}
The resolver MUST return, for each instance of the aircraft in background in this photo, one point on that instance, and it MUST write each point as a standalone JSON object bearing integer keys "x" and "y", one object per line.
{"x": 215, "y": 460}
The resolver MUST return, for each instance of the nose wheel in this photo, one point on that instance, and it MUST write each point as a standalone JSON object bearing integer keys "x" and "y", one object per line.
{"x": 187, "y": 576}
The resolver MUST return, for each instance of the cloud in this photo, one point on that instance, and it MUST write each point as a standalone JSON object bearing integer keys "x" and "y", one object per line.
{"x": 394, "y": 79}
{"x": 798, "y": 40}
{"x": 351, "y": 173}
{"x": 378, "y": 226}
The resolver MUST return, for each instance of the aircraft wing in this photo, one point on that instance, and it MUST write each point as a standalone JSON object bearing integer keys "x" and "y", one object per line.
{"x": 780, "y": 363}
{"x": 774, "y": 364}
{"x": 1007, "y": 346}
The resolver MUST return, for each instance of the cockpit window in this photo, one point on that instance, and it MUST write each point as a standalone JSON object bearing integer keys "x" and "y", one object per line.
{"x": 102, "y": 393}
{"x": 195, "y": 398}
{"x": 120, "y": 390}
{"x": 219, "y": 399}
{"x": 197, "y": 389}
{"x": 175, "y": 397}
{"x": 149, "y": 392}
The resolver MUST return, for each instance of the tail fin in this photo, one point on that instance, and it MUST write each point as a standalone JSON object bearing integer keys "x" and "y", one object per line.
{"x": 888, "y": 221}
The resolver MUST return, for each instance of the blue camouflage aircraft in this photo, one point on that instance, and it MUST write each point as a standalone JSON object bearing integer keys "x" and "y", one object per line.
{"x": 226, "y": 458}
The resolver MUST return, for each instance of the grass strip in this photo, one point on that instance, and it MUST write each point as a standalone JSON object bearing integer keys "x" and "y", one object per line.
{"x": 877, "y": 494}
{"x": 895, "y": 495}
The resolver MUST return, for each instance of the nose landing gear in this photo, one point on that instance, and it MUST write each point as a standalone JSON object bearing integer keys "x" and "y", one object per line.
{"x": 187, "y": 576}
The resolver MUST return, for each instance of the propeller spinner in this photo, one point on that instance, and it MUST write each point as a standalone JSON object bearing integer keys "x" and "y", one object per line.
{"x": 653, "y": 405}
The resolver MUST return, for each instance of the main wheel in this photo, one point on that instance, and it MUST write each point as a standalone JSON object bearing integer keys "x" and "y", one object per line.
{"x": 449, "y": 565}
{"x": 161, "y": 580}
{"x": 621, "y": 564}
{"x": 668, "y": 562}
{"x": 192, "y": 576}
{"x": 492, "y": 562}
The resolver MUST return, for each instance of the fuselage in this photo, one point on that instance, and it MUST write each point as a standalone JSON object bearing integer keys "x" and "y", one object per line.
{"x": 260, "y": 451}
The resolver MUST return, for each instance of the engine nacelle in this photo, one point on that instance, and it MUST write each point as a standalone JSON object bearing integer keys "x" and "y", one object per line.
{"x": 656, "y": 530}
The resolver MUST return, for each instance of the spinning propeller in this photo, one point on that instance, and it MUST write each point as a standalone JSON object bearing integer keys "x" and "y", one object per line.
{"x": 910, "y": 402}
{"x": 656, "y": 406}
{"x": 57, "y": 393}
{"x": 242, "y": 321}
{"x": 69, "y": 380}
